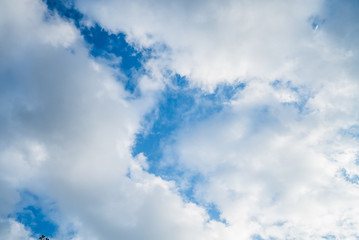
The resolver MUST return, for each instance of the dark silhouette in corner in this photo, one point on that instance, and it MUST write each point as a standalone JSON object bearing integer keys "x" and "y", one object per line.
{"x": 43, "y": 237}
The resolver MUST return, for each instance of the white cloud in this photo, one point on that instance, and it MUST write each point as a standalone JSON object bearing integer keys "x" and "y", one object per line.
{"x": 10, "y": 229}
{"x": 67, "y": 130}
{"x": 216, "y": 41}
{"x": 272, "y": 169}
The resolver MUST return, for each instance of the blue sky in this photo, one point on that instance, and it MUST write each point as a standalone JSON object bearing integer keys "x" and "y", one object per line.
{"x": 207, "y": 119}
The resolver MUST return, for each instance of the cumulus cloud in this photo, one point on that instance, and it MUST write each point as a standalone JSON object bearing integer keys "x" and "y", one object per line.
{"x": 216, "y": 41}
{"x": 67, "y": 130}
{"x": 10, "y": 229}
{"x": 272, "y": 159}
{"x": 279, "y": 160}
{"x": 271, "y": 171}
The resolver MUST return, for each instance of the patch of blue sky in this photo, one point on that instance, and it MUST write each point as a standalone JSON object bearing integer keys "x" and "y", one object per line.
{"x": 352, "y": 178}
{"x": 179, "y": 106}
{"x": 329, "y": 237}
{"x": 188, "y": 190}
{"x": 104, "y": 44}
{"x": 303, "y": 94}
{"x": 280, "y": 223}
{"x": 30, "y": 213}
{"x": 257, "y": 237}
{"x": 352, "y": 131}
{"x": 37, "y": 221}
{"x": 356, "y": 161}
{"x": 65, "y": 9}
{"x": 214, "y": 213}
{"x": 316, "y": 21}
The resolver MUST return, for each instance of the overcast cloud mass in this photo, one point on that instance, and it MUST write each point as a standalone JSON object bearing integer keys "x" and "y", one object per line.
{"x": 181, "y": 119}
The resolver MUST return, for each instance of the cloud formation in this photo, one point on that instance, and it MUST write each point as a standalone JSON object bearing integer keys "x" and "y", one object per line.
{"x": 279, "y": 159}
{"x": 216, "y": 41}
{"x": 68, "y": 127}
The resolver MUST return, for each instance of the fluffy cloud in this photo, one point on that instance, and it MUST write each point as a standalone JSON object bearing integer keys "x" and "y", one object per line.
{"x": 273, "y": 160}
{"x": 67, "y": 130}
{"x": 271, "y": 171}
{"x": 216, "y": 41}
{"x": 279, "y": 161}
{"x": 10, "y": 229}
